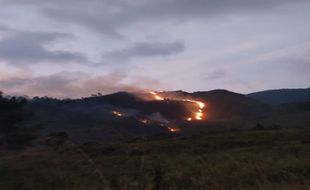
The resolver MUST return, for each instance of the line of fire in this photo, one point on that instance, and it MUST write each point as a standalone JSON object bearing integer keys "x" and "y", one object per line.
{"x": 194, "y": 109}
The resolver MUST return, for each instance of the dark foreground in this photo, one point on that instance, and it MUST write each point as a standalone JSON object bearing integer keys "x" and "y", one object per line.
{"x": 251, "y": 159}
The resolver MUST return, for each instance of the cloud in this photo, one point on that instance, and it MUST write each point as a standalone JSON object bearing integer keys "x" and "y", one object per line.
{"x": 146, "y": 49}
{"x": 216, "y": 75}
{"x": 70, "y": 84}
{"x": 235, "y": 36}
{"x": 25, "y": 48}
{"x": 108, "y": 17}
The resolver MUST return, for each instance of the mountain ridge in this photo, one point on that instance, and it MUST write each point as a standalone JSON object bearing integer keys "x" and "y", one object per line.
{"x": 282, "y": 96}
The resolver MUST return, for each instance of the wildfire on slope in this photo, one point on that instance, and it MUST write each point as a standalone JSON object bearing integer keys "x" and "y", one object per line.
{"x": 156, "y": 96}
{"x": 198, "y": 110}
{"x": 193, "y": 111}
{"x": 199, "y": 115}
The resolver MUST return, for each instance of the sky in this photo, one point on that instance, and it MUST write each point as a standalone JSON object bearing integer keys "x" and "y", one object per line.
{"x": 75, "y": 48}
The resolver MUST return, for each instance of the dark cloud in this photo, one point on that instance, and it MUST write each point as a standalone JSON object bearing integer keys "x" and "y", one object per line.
{"x": 108, "y": 17}
{"x": 24, "y": 47}
{"x": 146, "y": 49}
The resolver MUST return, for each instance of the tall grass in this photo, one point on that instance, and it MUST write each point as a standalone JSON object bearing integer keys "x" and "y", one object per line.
{"x": 267, "y": 159}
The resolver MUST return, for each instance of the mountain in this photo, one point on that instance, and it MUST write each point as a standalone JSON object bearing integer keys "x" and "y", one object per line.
{"x": 121, "y": 115}
{"x": 109, "y": 117}
{"x": 125, "y": 115}
{"x": 282, "y": 96}
{"x": 224, "y": 105}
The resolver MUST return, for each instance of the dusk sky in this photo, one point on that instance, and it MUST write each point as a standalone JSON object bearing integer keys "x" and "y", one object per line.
{"x": 74, "y": 48}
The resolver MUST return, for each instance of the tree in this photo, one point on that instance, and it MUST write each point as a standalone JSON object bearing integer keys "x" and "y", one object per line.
{"x": 15, "y": 128}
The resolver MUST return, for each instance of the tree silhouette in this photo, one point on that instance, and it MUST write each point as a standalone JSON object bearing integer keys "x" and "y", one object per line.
{"x": 15, "y": 128}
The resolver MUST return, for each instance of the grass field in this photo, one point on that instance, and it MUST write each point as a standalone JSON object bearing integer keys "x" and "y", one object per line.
{"x": 247, "y": 159}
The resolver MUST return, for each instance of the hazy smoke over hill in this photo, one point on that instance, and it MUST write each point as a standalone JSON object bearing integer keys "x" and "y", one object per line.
{"x": 72, "y": 85}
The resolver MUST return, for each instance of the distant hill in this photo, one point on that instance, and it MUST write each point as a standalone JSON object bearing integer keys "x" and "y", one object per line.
{"x": 92, "y": 117}
{"x": 224, "y": 105}
{"x": 282, "y": 96}
{"x": 123, "y": 114}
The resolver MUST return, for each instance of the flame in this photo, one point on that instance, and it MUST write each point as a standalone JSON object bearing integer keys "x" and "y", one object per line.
{"x": 196, "y": 109}
{"x": 172, "y": 129}
{"x": 156, "y": 96}
{"x": 198, "y": 114}
{"x": 145, "y": 121}
{"x": 117, "y": 113}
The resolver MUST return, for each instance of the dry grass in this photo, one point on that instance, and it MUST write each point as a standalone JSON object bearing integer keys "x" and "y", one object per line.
{"x": 258, "y": 160}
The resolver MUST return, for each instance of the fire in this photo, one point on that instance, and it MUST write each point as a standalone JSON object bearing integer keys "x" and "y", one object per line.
{"x": 117, "y": 113}
{"x": 196, "y": 109}
{"x": 145, "y": 121}
{"x": 172, "y": 129}
{"x": 198, "y": 114}
{"x": 201, "y": 105}
{"x": 156, "y": 96}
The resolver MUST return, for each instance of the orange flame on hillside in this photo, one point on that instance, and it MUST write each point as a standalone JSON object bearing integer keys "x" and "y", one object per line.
{"x": 198, "y": 115}
{"x": 156, "y": 96}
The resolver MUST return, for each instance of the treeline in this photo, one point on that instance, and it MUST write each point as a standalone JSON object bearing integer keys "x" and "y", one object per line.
{"x": 17, "y": 130}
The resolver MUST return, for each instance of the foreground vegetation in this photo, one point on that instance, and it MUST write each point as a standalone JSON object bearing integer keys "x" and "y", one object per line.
{"x": 247, "y": 159}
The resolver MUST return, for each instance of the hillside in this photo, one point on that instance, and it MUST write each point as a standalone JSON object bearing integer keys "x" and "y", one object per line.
{"x": 225, "y": 105}
{"x": 125, "y": 141}
{"x": 125, "y": 115}
{"x": 94, "y": 118}
{"x": 282, "y": 96}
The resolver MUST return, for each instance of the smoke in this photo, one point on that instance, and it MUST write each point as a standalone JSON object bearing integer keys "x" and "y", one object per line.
{"x": 158, "y": 118}
{"x": 70, "y": 85}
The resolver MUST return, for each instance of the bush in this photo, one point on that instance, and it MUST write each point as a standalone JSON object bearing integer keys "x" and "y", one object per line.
{"x": 56, "y": 139}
